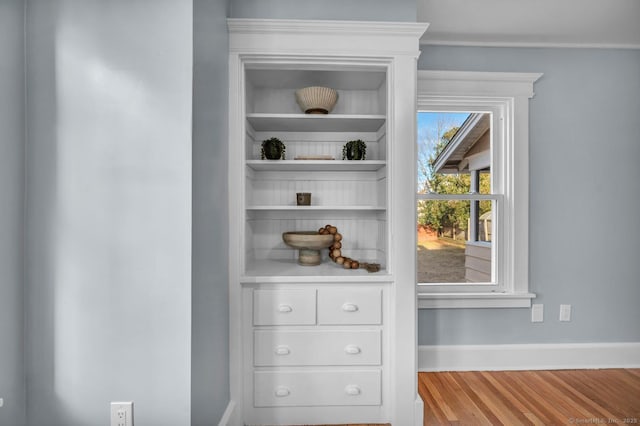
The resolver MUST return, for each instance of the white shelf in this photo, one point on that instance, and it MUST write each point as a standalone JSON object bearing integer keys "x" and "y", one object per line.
{"x": 315, "y": 122}
{"x": 316, "y": 165}
{"x": 288, "y": 271}
{"x": 314, "y": 208}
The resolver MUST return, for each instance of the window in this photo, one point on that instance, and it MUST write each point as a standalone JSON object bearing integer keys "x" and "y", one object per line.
{"x": 455, "y": 201}
{"x": 472, "y": 189}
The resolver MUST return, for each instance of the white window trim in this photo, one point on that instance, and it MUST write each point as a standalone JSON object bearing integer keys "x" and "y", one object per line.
{"x": 505, "y": 94}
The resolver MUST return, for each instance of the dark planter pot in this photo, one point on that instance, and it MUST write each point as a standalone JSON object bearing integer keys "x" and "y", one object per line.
{"x": 354, "y": 153}
{"x": 272, "y": 150}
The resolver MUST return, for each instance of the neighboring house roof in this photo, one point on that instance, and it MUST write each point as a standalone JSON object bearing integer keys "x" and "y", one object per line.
{"x": 470, "y": 142}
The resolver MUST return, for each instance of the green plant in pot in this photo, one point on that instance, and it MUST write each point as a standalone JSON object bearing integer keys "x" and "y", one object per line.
{"x": 273, "y": 149}
{"x": 354, "y": 150}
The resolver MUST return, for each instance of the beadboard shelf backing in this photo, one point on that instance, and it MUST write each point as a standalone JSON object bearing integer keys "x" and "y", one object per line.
{"x": 342, "y": 77}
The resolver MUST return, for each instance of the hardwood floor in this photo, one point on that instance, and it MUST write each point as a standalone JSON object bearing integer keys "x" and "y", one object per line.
{"x": 557, "y": 397}
{"x": 513, "y": 398}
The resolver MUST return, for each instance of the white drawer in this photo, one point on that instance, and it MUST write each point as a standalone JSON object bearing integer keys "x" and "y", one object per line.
{"x": 350, "y": 306}
{"x": 284, "y": 307}
{"x": 316, "y": 388}
{"x": 324, "y": 347}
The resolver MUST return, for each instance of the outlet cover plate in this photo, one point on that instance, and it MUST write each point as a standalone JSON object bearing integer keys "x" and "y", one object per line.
{"x": 565, "y": 312}
{"x": 122, "y": 414}
{"x": 537, "y": 312}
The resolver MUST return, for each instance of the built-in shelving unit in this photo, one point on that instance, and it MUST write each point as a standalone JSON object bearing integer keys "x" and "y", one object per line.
{"x": 321, "y": 344}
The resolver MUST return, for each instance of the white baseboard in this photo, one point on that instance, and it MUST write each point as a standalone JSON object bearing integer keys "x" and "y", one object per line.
{"x": 418, "y": 412}
{"x": 528, "y": 356}
{"x": 226, "y": 419}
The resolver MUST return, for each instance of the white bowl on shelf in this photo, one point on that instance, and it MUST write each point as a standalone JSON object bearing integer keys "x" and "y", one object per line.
{"x": 309, "y": 243}
{"x": 316, "y": 99}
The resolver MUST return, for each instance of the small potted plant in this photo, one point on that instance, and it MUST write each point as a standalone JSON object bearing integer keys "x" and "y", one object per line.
{"x": 272, "y": 149}
{"x": 354, "y": 150}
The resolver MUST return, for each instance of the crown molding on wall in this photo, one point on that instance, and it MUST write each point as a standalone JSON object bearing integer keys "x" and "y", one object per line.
{"x": 478, "y": 42}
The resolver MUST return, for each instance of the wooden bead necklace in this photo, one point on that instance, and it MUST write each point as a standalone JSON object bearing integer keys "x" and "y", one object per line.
{"x": 335, "y": 252}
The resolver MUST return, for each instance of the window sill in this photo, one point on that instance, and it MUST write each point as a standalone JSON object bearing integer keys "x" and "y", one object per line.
{"x": 474, "y": 300}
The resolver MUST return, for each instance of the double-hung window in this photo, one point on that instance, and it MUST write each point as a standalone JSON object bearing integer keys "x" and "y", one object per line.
{"x": 472, "y": 189}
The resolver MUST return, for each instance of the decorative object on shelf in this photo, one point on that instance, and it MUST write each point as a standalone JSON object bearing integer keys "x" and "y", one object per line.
{"x": 354, "y": 150}
{"x": 335, "y": 251}
{"x": 303, "y": 198}
{"x": 309, "y": 244}
{"x": 316, "y": 99}
{"x": 314, "y": 157}
{"x": 273, "y": 149}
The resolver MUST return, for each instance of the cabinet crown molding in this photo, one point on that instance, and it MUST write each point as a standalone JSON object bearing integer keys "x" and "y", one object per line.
{"x": 311, "y": 35}
{"x": 302, "y": 26}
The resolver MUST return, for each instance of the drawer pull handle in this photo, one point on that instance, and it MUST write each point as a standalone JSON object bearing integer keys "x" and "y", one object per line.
{"x": 282, "y": 350}
{"x": 352, "y": 349}
{"x": 352, "y": 390}
{"x": 285, "y": 309}
{"x": 282, "y": 391}
{"x": 350, "y": 307}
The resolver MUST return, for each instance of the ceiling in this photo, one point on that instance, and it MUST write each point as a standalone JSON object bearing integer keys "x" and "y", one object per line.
{"x": 543, "y": 23}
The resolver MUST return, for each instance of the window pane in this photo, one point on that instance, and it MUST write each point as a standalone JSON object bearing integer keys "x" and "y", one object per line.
{"x": 454, "y": 152}
{"x": 454, "y": 241}
{"x": 484, "y": 182}
{"x": 484, "y": 220}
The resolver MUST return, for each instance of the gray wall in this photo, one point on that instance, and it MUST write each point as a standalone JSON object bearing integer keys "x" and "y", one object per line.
{"x": 584, "y": 198}
{"x": 358, "y": 10}
{"x": 210, "y": 307}
{"x": 108, "y": 210}
{"x": 12, "y": 384}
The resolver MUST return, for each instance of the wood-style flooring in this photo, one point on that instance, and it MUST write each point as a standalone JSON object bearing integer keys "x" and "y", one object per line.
{"x": 557, "y": 397}
{"x": 514, "y": 398}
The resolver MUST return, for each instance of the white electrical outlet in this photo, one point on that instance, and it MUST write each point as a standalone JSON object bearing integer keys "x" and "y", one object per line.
{"x": 1, "y": 402}
{"x": 565, "y": 312}
{"x": 537, "y": 312}
{"x": 122, "y": 414}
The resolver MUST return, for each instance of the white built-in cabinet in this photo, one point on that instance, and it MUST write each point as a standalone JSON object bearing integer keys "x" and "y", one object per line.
{"x": 321, "y": 344}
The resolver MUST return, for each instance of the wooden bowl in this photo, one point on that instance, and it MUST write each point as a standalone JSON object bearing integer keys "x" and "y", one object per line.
{"x": 309, "y": 243}
{"x": 316, "y": 99}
